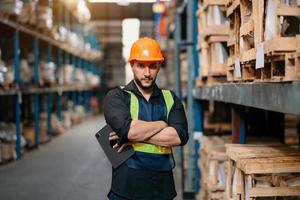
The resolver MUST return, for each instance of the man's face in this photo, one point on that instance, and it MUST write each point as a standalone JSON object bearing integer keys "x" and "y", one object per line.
{"x": 145, "y": 73}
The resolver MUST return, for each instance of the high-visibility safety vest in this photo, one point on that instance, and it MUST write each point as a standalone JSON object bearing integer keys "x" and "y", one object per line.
{"x": 134, "y": 112}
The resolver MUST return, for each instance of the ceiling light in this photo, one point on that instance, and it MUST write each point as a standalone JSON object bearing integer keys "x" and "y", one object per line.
{"x": 120, "y": 1}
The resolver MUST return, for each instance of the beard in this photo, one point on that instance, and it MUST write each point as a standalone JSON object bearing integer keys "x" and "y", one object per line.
{"x": 141, "y": 85}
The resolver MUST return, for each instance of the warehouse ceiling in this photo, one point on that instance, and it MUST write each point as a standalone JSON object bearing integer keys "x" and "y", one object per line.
{"x": 106, "y": 19}
{"x": 112, "y": 11}
{"x": 106, "y": 22}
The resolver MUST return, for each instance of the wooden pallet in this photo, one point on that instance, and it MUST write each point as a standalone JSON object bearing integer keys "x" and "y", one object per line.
{"x": 251, "y": 166}
{"x": 210, "y": 80}
{"x": 212, "y": 160}
{"x": 211, "y": 38}
{"x": 247, "y": 33}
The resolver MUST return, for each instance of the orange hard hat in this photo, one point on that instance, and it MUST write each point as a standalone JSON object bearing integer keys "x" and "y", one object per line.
{"x": 146, "y": 49}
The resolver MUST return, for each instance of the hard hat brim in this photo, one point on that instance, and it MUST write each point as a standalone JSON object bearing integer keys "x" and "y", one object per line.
{"x": 147, "y": 59}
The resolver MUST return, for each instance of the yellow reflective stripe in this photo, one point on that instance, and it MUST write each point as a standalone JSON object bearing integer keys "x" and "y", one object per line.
{"x": 151, "y": 148}
{"x": 134, "y": 106}
{"x": 134, "y": 112}
{"x": 168, "y": 100}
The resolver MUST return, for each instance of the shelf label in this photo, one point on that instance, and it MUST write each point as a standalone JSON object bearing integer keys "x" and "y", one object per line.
{"x": 237, "y": 69}
{"x": 19, "y": 97}
{"x": 260, "y": 56}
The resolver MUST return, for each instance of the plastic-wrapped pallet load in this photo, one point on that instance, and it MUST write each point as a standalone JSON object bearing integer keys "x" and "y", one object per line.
{"x": 6, "y": 74}
{"x": 66, "y": 74}
{"x": 7, "y": 140}
{"x": 26, "y": 72}
{"x": 27, "y": 14}
{"x": 11, "y": 6}
{"x": 47, "y": 73}
{"x": 28, "y": 134}
{"x": 92, "y": 79}
{"x": 79, "y": 77}
{"x": 79, "y": 10}
{"x": 45, "y": 20}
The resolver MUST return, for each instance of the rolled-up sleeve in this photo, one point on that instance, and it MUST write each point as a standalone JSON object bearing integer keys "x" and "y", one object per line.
{"x": 177, "y": 119}
{"x": 117, "y": 114}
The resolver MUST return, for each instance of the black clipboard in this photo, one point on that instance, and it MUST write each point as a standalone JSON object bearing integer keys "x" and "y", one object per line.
{"x": 115, "y": 158}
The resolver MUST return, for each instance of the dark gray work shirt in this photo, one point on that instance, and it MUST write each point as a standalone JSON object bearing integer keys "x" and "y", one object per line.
{"x": 143, "y": 176}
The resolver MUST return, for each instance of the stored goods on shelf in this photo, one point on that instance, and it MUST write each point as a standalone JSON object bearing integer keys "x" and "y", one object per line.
{"x": 264, "y": 40}
{"x": 47, "y": 73}
{"x": 28, "y": 134}
{"x": 79, "y": 10}
{"x": 6, "y": 74}
{"x": 66, "y": 74}
{"x": 262, "y": 171}
{"x": 27, "y": 14}
{"x": 213, "y": 166}
{"x": 26, "y": 72}
{"x": 11, "y": 6}
{"x": 292, "y": 127}
{"x": 7, "y": 142}
{"x": 213, "y": 30}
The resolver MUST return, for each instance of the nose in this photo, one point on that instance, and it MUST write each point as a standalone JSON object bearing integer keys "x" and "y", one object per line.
{"x": 147, "y": 71}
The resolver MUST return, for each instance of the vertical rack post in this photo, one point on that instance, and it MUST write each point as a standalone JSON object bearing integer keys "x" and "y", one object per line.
{"x": 59, "y": 63}
{"x": 197, "y": 105}
{"x": 49, "y": 95}
{"x": 18, "y": 99}
{"x": 74, "y": 92}
{"x": 177, "y": 77}
{"x": 36, "y": 95}
{"x": 177, "y": 80}
{"x": 190, "y": 100}
{"x": 238, "y": 125}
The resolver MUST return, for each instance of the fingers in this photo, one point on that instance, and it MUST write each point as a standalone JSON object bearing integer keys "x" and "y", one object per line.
{"x": 122, "y": 147}
{"x": 113, "y": 136}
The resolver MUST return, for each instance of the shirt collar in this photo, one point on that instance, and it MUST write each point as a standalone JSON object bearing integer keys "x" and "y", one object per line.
{"x": 131, "y": 86}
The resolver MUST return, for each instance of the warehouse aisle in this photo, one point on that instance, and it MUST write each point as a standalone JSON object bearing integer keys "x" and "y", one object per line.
{"x": 72, "y": 166}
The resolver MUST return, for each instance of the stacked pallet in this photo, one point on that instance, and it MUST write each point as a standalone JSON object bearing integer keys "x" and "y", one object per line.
{"x": 213, "y": 29}
{"x": 292, "y": 127}
{"x": 212, "y": 165}
{"x": 262, "y": 171}
{"x": 264, "y": 42}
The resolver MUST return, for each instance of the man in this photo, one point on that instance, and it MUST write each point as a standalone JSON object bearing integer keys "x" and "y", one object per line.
{"x": 152, "y": 121}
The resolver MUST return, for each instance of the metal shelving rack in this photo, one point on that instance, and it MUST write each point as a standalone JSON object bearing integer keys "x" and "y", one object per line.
{"x": 190, "y": 184}
{"x": 84, "y": 60}
{"x": 274, "y": 99}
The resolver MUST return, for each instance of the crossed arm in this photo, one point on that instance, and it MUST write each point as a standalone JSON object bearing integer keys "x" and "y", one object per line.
{"x": 128, "y": 131}
{"x": 157, "y": 132}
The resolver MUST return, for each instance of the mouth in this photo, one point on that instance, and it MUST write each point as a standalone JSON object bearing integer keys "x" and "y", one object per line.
{"x": 147, "y": 79}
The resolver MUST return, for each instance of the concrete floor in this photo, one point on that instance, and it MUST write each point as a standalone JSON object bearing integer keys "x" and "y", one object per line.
{"x": 72, "y": 166}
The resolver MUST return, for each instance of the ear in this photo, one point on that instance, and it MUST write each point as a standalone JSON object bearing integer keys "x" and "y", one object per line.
{"x": 131, "y": 63}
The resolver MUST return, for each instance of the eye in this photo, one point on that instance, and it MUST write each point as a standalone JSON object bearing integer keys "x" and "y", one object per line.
{"x": 153, "y": 66}
{"x": 140, "y": 65}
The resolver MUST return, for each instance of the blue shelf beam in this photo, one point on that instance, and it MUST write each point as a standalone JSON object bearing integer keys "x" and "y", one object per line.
{"x": 36, "y": 119}
{"x": 16, "y": 49}
{"x": 49, "y": 95}
{"x": 59, "y": 106}
{"x": 49, "y": 111}
{"x": 36, "y": 96}
{"x": 36, "y": 61}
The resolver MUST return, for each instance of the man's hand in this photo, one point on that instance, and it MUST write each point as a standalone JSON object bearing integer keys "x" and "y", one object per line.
{"x": 114, "y": 136}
